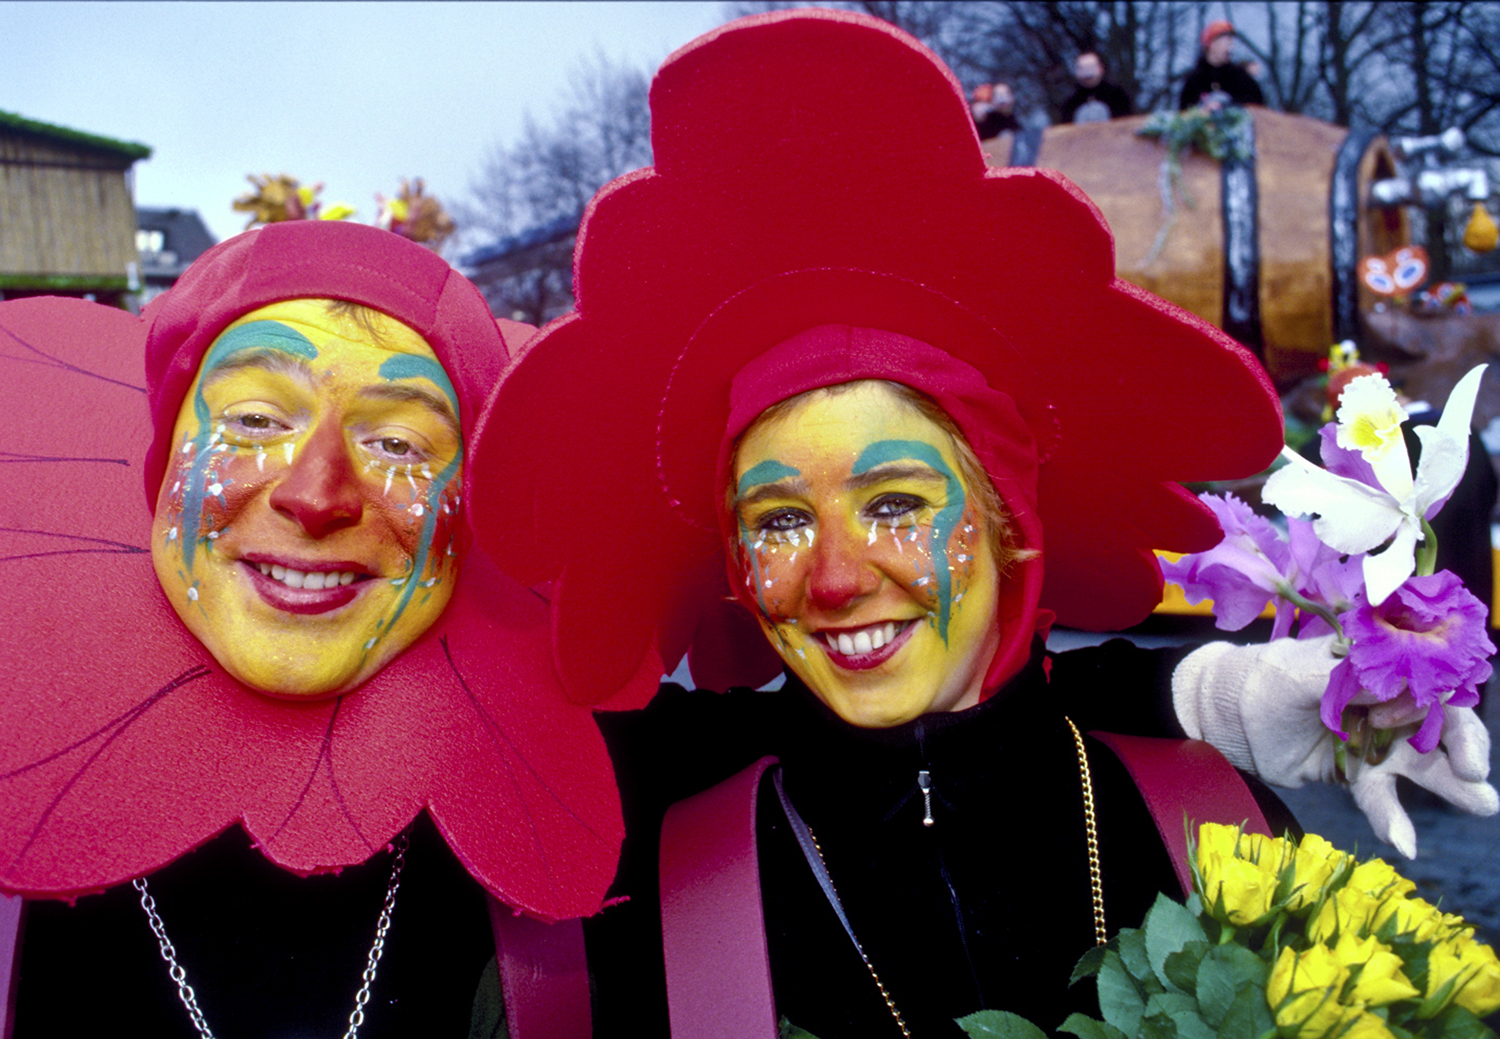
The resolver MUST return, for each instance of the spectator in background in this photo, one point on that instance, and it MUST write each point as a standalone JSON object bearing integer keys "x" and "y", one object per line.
{"x": 993, "y": 106}
{"x": 1216, "y": 81}
{"x": 1095, "y": 100}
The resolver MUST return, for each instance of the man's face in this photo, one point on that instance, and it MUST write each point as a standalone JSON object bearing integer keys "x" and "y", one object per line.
{"x": 305, "y": 531}
{"x": 866, "y": 556}
{"x": 1004, "y": 99}
{"x": 1220, "y": 48}
{"x": 1088, "y": 70}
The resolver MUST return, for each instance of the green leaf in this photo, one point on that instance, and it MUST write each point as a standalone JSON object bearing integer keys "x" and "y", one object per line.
{"x": 1429, "y": 1005}
{"x": 1119, "y": 1000}
{"x": 787, "y": 1030}
{"x": 1182, "y": 967}
{"x": 1159, "y": 1027}
{"x": 487, "y": 1016}
{"x": 1190, "y": 1025}
{"x": 1133, "y": 952}
{"x": 1088, "y": 965}
{"x": 1247, "y": 966}
{"x": 1217, "y": 983}
{"x": 1169, "y": 926}
{"x": 998, "y": 1024}
{"x": 1249, "y": 1017}
{"x": 1458, "y": 1023}
{"x": 1169, "y": 1003}
{"x": 1088, "y": 1028}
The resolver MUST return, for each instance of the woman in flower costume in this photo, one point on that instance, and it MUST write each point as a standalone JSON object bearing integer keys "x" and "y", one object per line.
{"x": 299, "y": 642}
{"x": 898, "y": 408}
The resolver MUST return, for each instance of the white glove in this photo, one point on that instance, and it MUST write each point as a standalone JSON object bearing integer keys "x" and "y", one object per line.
{"x": 1258, "y": 705}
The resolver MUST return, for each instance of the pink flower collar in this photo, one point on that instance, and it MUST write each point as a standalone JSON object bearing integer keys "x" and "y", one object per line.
{"x": 123, "y": 744}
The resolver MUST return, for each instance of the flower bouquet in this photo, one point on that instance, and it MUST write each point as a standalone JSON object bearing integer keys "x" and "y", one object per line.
{"x": 1295, "y": 940}
{"x": 1412, "y": 641}
{"x": 1279, "y": 939}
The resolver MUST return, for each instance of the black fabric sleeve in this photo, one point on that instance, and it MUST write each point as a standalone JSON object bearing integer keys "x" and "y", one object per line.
{"x": 1119, "y": 687}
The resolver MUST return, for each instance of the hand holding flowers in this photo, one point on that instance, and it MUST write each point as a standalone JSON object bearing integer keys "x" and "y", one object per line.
{"x": 1408, "y": 652}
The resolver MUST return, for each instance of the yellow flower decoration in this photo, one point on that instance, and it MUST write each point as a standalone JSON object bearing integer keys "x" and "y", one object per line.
{"x": 1315, "y": 863}
{"x": 1241, "y": 867}
{"x": 1303, "y": 992}
{"x": 1381, "y": 979}
{"x": 1377, "y": 879}
{"x": 1416, "y": 917}
{"x": 1474, "y": 965}
{"x": 1349, "y": 911}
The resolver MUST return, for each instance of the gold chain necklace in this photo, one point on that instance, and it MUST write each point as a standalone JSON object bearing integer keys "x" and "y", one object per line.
{"x": 825, "y": 879}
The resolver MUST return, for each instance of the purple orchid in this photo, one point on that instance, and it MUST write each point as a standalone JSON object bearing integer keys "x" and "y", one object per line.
{"x": 1424, "y": 641}
{"x": 1240, "y": 574}
{"x": 1253, "y": 565}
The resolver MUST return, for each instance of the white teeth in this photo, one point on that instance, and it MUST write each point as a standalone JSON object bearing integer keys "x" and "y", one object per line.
{"x": 312, "y": 581}
{"x": 866, "y": 640}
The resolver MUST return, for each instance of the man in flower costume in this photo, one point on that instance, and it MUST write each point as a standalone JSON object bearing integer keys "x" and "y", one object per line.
{"x": 299, "y": 643}
{"x": 899, "y": 409}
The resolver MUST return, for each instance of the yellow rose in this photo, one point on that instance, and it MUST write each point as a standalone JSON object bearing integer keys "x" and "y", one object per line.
{"x": 1247, "y": 889}
{"x": 1303, "y": 992}
{"x": 1414, "y": 916}
{"x": 1364, "y": 1025}
{"x": 1349, "y": 911}
{"x": 1377, "y": 878}
{"x": 1315, "y": 862}
{"x": 1243, "y": 866}
{"x": 1476, "y": 968}
{"x": 1380, "y": 979}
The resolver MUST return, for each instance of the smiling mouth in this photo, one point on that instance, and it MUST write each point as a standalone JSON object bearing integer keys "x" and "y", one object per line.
{"x": 860, "y": 649}
{"x": 312, "y": 580}
{"x": 304, "y": 591}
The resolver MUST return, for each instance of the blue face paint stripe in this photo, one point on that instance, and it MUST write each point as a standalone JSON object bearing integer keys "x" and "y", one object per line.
{"x": 256, "y": 335}
{"x": 412, "y": 366}
{"x": 885, "y": 451}
{"x": 768, "y": 471}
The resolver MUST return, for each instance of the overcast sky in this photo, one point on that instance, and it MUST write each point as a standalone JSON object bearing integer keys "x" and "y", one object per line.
{"x": 356, "y": 95}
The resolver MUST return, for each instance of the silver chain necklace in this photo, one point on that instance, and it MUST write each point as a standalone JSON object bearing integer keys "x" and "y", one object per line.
{"x": 185, "y": 993}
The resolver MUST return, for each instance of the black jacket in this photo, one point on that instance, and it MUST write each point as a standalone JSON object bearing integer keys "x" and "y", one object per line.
{"x": 988, "y": 908}
{"x": 1107, "y": 94}
{"x": 1232, "y": 79}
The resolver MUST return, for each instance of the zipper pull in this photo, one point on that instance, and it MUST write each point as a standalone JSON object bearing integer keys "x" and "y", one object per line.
{"x": 924, "y": 784}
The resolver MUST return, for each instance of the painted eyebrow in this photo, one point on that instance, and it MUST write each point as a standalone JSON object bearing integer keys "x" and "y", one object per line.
{"x": 780, "y": 489}
{"x": 267, "y": 359}
{"x": 894, "y": 471}
{"x": 405, "y": 392}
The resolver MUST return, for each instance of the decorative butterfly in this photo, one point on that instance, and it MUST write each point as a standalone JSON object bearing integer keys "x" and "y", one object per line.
{"x": 1394, "y": 274}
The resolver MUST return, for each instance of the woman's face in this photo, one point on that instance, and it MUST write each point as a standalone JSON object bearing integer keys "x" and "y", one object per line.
{"x": 305, "y": 528}
{"x": 866, "y": 556}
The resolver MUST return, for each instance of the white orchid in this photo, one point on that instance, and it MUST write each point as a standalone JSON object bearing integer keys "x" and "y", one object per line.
{"x": 1354, "y": 517}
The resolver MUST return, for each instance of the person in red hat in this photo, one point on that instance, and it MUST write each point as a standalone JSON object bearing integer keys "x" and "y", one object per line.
{"x": 852, "y": 407}
{"x": 1217, "y": 80}
{"x": 293, "y": 637}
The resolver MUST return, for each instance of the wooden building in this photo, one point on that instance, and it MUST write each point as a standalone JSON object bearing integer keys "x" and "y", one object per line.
{"x": 67, "y": 217}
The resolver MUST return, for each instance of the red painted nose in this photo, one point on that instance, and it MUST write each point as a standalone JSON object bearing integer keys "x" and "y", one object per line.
{"x": 841, "y": 573}
{"x": 320, "y": 490}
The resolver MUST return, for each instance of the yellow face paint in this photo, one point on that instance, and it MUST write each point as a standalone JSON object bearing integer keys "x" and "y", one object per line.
{"x": 305, "y": 531}
{"x": 866, "y": 557}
